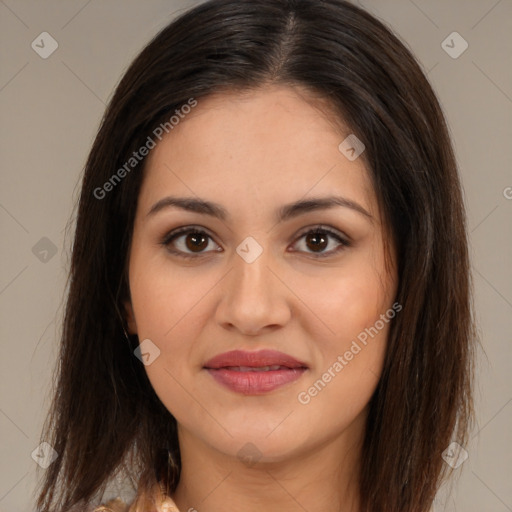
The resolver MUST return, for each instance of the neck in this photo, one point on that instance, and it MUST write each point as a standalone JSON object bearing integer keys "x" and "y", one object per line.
{"x": 325, "y": 478}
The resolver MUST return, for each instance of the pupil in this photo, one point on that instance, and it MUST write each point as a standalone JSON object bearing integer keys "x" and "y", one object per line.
{"x": 199, "y": 241}
{"x": 319, "y": 241}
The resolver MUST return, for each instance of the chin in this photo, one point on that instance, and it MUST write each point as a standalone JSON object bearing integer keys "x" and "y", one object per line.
{"x": 252, "y": 446}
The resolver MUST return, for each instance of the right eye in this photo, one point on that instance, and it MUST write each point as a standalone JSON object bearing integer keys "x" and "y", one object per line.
{"x": 188, "y": 242}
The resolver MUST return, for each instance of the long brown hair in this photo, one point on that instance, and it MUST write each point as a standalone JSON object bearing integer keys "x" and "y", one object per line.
{"x": 105, "y": 415}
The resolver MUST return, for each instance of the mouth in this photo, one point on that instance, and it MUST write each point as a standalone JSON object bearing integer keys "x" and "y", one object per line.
{"x": 272, "y": 368}
{"x": 254, "y": 373}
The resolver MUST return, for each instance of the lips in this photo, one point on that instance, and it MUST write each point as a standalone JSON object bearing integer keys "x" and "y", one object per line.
{"x": 257, "y": 368}
{"x": 254, "y": 373}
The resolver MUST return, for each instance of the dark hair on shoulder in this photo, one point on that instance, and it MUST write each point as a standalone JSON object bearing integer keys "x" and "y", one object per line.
{"x": 105, "y": 415}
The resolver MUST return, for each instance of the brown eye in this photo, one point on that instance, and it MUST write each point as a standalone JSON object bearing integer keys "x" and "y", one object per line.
{"x": 196, "y": 241}
{"x": 189, "y": 242}
{"x": 316, "y": 241}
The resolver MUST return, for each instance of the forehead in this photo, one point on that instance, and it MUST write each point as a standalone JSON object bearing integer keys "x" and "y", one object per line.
{"x": 274, "y": 144}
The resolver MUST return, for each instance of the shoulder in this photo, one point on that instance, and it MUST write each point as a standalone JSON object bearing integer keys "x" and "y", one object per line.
{"x": 157, "y": 501}
{"x": 115, "y": 505}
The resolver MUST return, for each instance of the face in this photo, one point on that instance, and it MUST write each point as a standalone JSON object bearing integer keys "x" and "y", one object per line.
{"x": 267, "y": 322}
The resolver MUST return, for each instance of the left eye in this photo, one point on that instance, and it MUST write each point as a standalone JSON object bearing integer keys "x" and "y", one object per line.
{"x": 319, "y": 239}
{"x": 191, "y": 242}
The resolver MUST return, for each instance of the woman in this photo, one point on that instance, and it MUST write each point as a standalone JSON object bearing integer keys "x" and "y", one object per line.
{"x": 270, "y": 302}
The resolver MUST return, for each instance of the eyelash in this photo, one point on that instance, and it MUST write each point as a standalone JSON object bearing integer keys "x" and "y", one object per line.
{"x": 173, "y": 235}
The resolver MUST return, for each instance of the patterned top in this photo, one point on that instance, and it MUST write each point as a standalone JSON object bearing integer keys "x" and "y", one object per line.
{"x": 159, "y": 502}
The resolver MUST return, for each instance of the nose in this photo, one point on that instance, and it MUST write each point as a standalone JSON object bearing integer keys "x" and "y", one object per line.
{"x": 254, "y": 299}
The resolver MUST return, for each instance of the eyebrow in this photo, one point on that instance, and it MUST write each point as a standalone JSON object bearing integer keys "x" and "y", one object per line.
{"x": 284, "y": 213}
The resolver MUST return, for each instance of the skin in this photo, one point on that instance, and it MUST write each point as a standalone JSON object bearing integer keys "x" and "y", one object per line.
{"x": 252, "y": 153}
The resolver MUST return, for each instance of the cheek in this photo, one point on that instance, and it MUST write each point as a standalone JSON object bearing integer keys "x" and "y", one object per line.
{"x": 353, "y": 304}
{"x": 166, "y": 297}
{"x": 170, "y": 307}
{"x": 348, "y": 302}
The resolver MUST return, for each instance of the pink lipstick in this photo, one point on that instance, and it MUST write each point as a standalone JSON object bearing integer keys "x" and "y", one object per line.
{"x": 254, "y": 373}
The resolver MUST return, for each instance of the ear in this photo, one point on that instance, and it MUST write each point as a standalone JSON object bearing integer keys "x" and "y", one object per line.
{"x": 130, "y": 318}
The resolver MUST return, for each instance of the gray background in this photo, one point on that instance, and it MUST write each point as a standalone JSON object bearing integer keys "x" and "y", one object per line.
{"x": 51, "y": 109}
